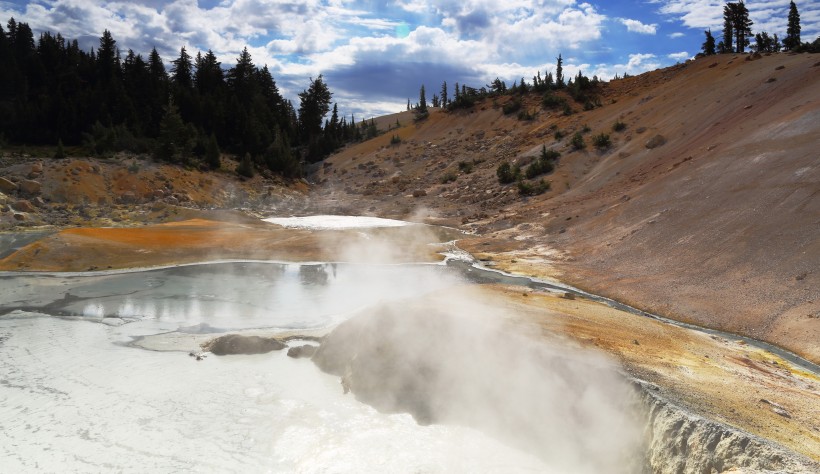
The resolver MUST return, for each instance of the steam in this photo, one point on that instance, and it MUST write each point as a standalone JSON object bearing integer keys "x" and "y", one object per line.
{"x": 454, "y": 356}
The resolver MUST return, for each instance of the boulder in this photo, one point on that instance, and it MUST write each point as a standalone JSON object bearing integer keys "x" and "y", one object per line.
{"x": 20, "y": 217}
{"x": 419, "y": 193}
{"x": 655, "y": 141}
{"x": 30, "y": 187}
{"x": 301, "y": 352}
{"x": 237, "y": 344}
{"x": 24, "y": 206}
{"x": 38, "y": 201}
{"x": 7, "y": 186}
{"x": 37, "y": 168}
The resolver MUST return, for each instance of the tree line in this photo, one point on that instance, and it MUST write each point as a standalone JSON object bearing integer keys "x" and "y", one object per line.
{"x": 54, "y": 93}
{"x": 737, "y": 34}
{"x": 580, "y": 88}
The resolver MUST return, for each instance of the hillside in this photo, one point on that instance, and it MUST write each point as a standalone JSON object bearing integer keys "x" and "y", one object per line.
{"x": 717, "y": 224}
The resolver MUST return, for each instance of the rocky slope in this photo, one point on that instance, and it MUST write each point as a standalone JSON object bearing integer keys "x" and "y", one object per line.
{"x": 127, "y": 190}
{"x": 706, "y": 208}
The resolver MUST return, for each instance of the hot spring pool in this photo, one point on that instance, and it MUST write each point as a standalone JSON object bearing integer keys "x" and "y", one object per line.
{"x": 75, "y": 396}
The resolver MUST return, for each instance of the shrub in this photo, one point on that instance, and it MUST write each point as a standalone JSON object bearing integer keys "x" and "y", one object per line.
{"x": 568, "y": 110}
{"x": 530, "y": 189}
{"x": 586, "y": 129}
{"x": 538, "y": 167}
{"x": 395, "y": 140}
{"x": 551, "y": 100}
{"x": 618, "y": 126}
{"x": 507, "y": 173}
{"x": 549, "y": 155}
{"x": 60, "y": 153}
{"x": 448, "y": 177}
{"x": 558, "y": 135}
{"x": 512, "y": 106}
{"x": 601, "y": 141}
{"x": 465, "y": 167}
{"x": 526, "y": 115}
{"x": 544, "y": 164}
{"x": 577, "y": 141}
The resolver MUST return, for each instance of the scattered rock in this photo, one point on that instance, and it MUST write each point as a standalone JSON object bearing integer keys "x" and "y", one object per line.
{"x": 655, "y": 141}
{"x": 302, "y": 352}
{"x": 779, "y": 67}
{"x": 7, "y": 186}
{"x": 38, "y": 201}
{"x": 777, "y": 408}
{"x": 635, "y": 341}
{"x": 238, "y": 344}
{"x": 37, "y": 168}
{"x": 568, "y": 296}
{"x": 20, "y": 217}
{"x": 419, "y": 193}
{"x": 128, "y": 197}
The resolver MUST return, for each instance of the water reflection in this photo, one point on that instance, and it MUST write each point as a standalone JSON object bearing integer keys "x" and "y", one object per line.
{"x": 233, "y": 295}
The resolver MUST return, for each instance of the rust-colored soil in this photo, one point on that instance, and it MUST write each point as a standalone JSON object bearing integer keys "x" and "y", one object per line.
{"x": 724, "y": 380}
{"x": 198, "y": 240}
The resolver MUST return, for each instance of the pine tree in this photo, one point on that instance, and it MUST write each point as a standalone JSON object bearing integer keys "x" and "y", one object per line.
{"x": 728, "y": 29}
{"x": 212, "y": 153}
{"x": 559, "y": 73}
{"x": 737, "y": 26}
{"x": 107, "y": 57}
{"x": 314, "y": 105}
{"x": 743, "y": 27}
{"x": 421, "y": 108}
{"x": 245, "y": 167}
{"x": 444, "y": 101}
{"x": 709, "y": 45}
{"x": 182, "y": 70}
{"x": 792, "y": 39}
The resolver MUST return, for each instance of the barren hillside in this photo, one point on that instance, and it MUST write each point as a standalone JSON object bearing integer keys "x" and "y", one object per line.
{"x": 718, "y": 223}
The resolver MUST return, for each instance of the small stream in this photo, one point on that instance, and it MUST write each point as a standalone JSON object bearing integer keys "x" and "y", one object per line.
{"x": 476, "y": 273}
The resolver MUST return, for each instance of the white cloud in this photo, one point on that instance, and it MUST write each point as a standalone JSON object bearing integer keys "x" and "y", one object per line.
{"x": 767, "y": 15}
{"x": 676, "y": 35}
{"x": 636, "y": 26}
{"x": 638, "y": 63}
{"x": 682, "y": 56}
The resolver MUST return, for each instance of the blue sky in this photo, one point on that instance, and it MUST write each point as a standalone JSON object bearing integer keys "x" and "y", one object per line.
{"x": 375, "y": 54}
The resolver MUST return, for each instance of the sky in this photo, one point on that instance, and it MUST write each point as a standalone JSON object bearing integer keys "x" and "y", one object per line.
{"x": 374, "y": 55}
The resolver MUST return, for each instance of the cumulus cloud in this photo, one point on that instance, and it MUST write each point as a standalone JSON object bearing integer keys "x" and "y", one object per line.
{"x": 676, "y": 35}
{"x": 370, "y": 53}
{"x": 636, "y": 26}
{"x": 682, "y": 56}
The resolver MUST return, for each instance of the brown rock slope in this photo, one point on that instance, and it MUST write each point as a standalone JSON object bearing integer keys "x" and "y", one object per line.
{"x": 719, "y": 225}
